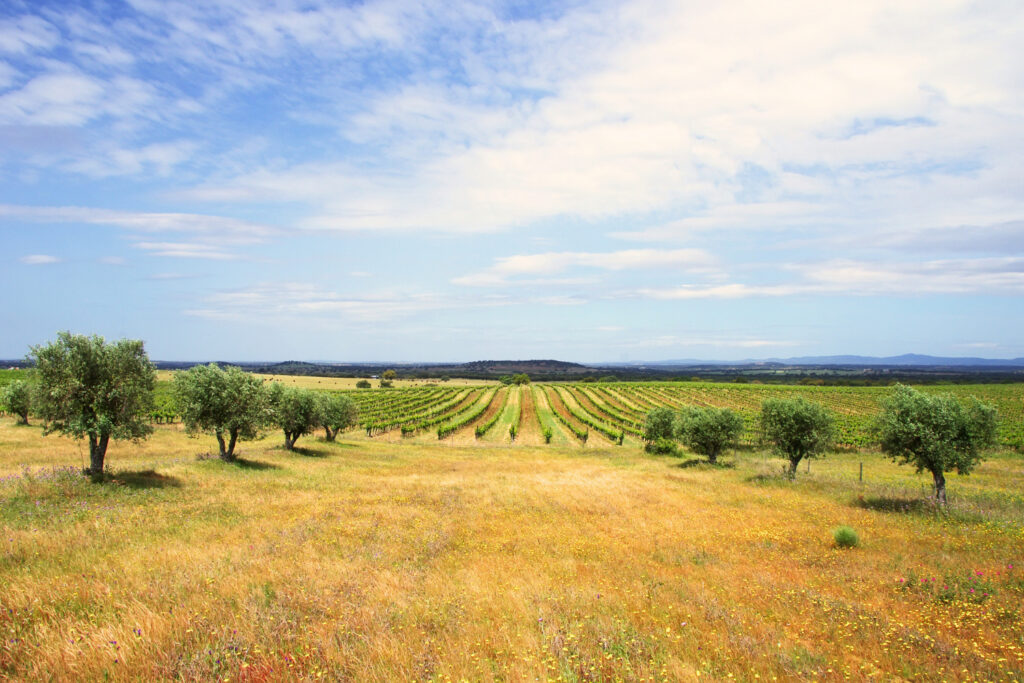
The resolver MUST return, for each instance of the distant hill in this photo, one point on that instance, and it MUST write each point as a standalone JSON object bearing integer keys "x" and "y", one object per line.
{"x": 840, "y": 369}
{"x": 538, "y": 367}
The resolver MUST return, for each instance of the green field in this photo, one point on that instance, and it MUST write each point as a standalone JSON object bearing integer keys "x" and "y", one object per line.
{"x": 387, "y": 557}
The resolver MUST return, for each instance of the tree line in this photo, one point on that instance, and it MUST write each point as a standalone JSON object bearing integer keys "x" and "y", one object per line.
{"x": 88, "y": 388}
{"x": 933, "y": 433}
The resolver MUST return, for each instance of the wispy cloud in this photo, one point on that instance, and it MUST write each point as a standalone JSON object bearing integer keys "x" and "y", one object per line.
{"x": 222, "y": 228}
{"x": 38, "y": 259}
{"x": 633, "y": 133}
{"x": 506, "y": 268}
{"x": 992, "y": 276}
{"x": 27, "y": 33}
{"x": 193, "y": 250}
{"x": 275, "y": 302}
{"x": 214, "y": 237}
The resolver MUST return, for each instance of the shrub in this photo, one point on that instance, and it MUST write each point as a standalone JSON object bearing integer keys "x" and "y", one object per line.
{"x": 662, "y": 447}
{"x": 363, "y": 384}
{"x": 547, "y": 434}
{"x": 846, "y": 537}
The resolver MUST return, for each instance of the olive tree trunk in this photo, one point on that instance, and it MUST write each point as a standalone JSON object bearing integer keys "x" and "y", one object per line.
{"x": 227, "y": 450}
{"x": 331, "y": 433}
{"x": 97, "y": 452}
{"x": 940, "y": 487}
{"x": 793, "y": 462}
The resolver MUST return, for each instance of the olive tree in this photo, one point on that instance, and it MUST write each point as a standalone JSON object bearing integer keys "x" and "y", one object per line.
{"x": 89, "y": 388}
{"x": 226, "y": 401}
{"x": 296, "y": 411}
{"x": 935, "y": 433}
{"x": 659, "y": 424}
{"x": 797, "y": 428}
{"x": 16, "y": 398}
{"x": 337, "y": 413}
{"x": 709, "y": 431}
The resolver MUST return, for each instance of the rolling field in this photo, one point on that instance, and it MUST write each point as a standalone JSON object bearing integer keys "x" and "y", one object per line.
{"x": 387, "y": 557}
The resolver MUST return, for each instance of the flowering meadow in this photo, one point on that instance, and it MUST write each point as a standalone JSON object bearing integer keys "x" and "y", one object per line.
{"x": 382, "y": 560}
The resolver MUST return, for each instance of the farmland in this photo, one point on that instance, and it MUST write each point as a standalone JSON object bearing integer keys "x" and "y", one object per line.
{"x": 429, "y": 544}
{"x": 610, "y": 411}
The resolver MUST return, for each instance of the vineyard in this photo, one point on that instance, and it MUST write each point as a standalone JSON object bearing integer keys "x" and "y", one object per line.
{"x": 613, "y": 413}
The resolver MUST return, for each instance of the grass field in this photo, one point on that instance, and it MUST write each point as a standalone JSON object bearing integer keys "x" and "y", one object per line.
{"x": 377, "y": 559}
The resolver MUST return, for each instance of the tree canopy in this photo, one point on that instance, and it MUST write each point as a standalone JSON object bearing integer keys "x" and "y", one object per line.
{"x": 16, "y": 398}
{"x": 659, "y": 424}
{"x": 797, "y": 428}
{"x": 226, "y": 401}
{"x": 709, "y": 431}
{"x": 936, "y": 433}
{"x": 296, "y": 411}
{"x": 337, "y": 413}
{"x": 89, "y": 388}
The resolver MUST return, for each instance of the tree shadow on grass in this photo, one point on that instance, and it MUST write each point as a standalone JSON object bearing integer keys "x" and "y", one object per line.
{"x": 238, "y": 461}
{"x": 335, "y": 444}
{"x": 245, "y": 464}
{"x": 309, "y": 452}
{"x": 704, "y": 464}
{"x": 894, "y": 504}
{"x": 143, "y": 479}
{"x": 692, "y": 462}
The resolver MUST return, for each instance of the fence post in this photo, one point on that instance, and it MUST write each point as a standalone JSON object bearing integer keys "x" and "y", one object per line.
{"x": 862, "y": 472}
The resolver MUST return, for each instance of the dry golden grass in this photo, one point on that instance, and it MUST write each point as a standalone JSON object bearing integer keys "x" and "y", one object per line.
{"x": 373, "y": 561}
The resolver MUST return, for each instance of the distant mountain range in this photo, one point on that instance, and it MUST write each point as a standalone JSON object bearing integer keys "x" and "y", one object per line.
{"x": 905, "y": 360}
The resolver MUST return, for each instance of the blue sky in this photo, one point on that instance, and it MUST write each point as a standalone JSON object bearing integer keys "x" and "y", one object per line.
{"x": 589, "y": 181}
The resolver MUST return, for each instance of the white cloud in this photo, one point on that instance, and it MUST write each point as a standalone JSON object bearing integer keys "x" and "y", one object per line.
{"x": 8, "y": 74}
{"x": 39, "y": 259}
{"x": 196, "y": 250}
{"x": 161, "y": 158}
{"x": 682, "y": 101}
{"x": 276, "y": 302}
{"x": 107, "y": 55}
{"x": 27, "y": 34}
{"x": 57, "y": 99}
{"x": 507, "y": 267}
{"x": 211, "y": 237}
{"x": 844, "y": 277}
{"x": 214, "y": 229}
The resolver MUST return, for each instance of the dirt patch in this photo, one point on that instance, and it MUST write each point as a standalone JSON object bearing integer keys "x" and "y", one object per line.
{"x": 529, "y": 427}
